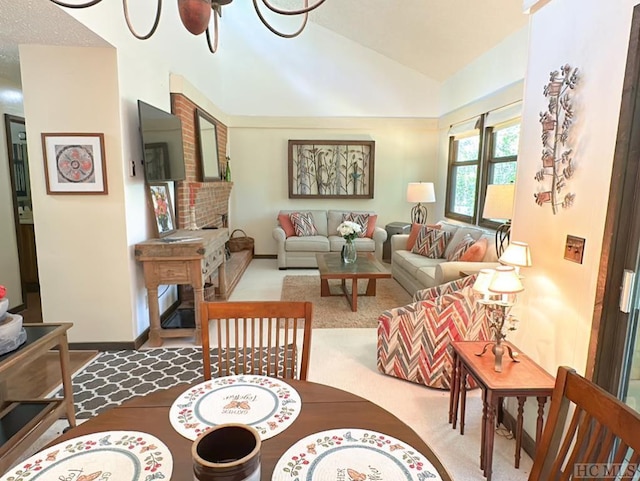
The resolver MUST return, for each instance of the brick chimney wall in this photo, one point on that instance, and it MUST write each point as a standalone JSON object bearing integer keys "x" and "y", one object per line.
{"x": 210, "y": 199}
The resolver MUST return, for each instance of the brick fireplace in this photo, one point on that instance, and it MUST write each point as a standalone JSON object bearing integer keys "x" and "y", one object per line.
{"x": 210, "y": 199}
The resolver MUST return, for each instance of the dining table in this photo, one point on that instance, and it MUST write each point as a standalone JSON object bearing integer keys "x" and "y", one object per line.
{"x": 323, "y": 408}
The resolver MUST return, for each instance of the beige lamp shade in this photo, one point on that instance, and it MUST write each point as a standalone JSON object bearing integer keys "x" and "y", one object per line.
{"x": 498, "y": 203}
{"x": 517, "y": 254}
{"x": 481, "y": 285}
{"x": 421, "y": 192}
{"x": 505, "y": 281}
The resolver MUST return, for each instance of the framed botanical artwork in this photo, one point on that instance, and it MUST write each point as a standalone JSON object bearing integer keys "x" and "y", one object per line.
{"x": 160, "y": 202}
{"x": 331, "y": 169}
{"x": 74, "y": 163}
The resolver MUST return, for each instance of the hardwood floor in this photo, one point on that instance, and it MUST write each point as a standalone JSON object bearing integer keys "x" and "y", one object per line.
{"x": 40, "y": 376}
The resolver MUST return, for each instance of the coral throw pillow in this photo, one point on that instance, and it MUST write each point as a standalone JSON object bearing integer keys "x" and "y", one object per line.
{"x": 303, "y": 224}
{"x": 431, "y": 242}
{"x": 371, "y": 226}
{"x": 415, "y": 230}
{"x": 476, "y": 252}
{"x": 287, "y": 226}
{"x": 462, "y": 247}
{"x": 361, "y": 219}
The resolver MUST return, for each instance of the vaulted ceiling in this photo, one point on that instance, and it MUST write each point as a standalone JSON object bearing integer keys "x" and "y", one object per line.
{"x": 434, "y": 37}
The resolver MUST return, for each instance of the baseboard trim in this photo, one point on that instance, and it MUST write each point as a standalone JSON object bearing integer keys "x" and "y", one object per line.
{"x": 265, "y": 256}
{"x": 112, "y": 346}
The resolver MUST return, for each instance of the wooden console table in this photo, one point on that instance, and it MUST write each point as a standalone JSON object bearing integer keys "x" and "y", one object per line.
{"x": 518, "y": 379}
{"x": 23, "y": 421}
{"x": 189, "y": 261}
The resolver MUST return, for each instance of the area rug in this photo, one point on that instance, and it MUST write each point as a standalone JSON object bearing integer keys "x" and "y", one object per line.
{"x": 116, "y": 376}
{"x": 335, "y": 311}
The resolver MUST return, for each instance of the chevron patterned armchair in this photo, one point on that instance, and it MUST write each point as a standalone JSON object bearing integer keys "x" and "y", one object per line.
{"x": 413, "y": 341}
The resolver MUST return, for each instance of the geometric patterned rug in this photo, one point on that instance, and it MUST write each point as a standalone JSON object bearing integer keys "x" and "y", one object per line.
{"x": 115, "y": 376}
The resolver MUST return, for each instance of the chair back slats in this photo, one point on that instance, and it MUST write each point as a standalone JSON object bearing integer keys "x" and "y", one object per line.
{"x": 269, "y": 338}
{"x": 599, "y": 439}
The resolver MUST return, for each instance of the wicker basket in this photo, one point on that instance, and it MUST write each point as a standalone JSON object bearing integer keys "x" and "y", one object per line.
{"x": 237, "y": 244}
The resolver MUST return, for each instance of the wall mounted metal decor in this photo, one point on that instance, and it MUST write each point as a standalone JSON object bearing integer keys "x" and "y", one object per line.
{"x": 331, "y": 169}
{"x": 557, "y": 160}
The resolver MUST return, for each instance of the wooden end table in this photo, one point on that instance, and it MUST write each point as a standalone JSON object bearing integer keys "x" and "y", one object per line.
{"x": 518, "y": 379}
{"x": 366, "y": 267}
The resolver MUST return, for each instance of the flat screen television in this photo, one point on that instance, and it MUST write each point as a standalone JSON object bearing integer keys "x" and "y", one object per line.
{"x": 162, "y": 148}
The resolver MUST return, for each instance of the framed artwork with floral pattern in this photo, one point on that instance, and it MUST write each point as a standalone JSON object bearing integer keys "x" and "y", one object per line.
{"x": 331, "y": 169}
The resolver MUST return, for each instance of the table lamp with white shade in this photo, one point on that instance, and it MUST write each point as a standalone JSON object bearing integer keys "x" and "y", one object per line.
{"x": 498, "y": 205}
{"x": 498, "y": 289}
{"x": 420, "y": 192}
{"x": 517, "y": 254}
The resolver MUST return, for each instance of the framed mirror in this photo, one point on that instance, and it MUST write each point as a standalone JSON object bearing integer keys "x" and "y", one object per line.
{"x": 208, "y": 146}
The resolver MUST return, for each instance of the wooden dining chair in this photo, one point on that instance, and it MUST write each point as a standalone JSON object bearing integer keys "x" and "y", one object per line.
{"x": 268, "y": 338}
{"x": 602, "y": 436}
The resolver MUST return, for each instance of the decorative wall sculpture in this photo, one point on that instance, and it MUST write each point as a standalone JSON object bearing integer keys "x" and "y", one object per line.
{"x": 557, "y": 162}
{"x": 331, "y": 169}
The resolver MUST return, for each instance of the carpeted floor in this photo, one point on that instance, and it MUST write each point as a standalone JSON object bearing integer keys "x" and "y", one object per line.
{"x": 335, "y": 311}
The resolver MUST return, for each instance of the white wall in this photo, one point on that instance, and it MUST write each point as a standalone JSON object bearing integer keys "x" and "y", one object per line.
{"x": 256, "y": 73}
{"x": 557, "y": 305}
{"x": 405, "y": 152}
{"x": 10, "y": 103}
{"x": 82, "y": 251}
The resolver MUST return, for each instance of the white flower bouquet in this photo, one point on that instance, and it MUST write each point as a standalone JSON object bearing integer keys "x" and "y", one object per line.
{"x": 349, "y": 230}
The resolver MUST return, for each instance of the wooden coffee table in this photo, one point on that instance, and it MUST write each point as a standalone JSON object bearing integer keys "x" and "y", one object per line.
{"x": 366, "y": 267}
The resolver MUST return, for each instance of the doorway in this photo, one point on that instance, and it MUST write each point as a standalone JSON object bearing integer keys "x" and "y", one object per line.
{"x": 616, "y": 365}
{"x": 23, "y": 214}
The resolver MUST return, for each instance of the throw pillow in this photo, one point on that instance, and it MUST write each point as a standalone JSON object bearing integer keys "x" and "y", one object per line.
{"x": 303, "y": 224}
{"x": 287, "y": 226}
{"x": 371, "y": 226}
{"x": 431, "y": 242}
{"x": 462, "y": 247}
{"x": 361, "y": 219}
{"x": 476, "y": 252}
{"x": 415, "y": 230}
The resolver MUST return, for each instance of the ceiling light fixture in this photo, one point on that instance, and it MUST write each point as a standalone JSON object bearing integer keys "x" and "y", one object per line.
{"x": 196, "y": 14}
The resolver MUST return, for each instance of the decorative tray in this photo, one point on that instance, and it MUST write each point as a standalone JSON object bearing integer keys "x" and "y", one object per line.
{"x": 109, "y": 455}
{"x": 268, "y": 404}
{"x": 351, "y": 454}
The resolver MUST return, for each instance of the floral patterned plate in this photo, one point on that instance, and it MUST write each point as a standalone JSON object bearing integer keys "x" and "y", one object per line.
{"x": 350, "y": 454}
{"x": 109, "y": 455}
{"x": 266, "y": 403}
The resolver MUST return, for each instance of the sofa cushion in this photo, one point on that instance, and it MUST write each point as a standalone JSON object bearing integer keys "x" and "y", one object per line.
{"x": 411, "y": 262}
{"x": 426, "y": 275}
{"x": 463, "y": 246}
{"x": 415, "y": 230}
{"x": 460, "y": 234}
{"x": 431, "y": 242}
{"x": 363, "y": 244}
{"x": 303, "y": 224}
{"x": 319, "y": 219}
{"x": 361, "y": 219}
{"x": 287, "y": 226}
{"x": 476, "y": 252}
{"x": 334, "y": 219}
{"x": 316, "y": 243}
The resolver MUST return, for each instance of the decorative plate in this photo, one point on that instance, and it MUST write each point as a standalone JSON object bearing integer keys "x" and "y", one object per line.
{"x": 266, "y": 403}
{"x": 350, "y": 454}
{"x": 108, "y": 455}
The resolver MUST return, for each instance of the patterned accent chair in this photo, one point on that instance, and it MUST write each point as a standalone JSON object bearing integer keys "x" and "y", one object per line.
{"x": 413, "y": 341}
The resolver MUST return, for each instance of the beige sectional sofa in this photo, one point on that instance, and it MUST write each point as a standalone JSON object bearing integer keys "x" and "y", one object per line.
{"x": 296, "y": 251}
{"x": 415, "y": 272}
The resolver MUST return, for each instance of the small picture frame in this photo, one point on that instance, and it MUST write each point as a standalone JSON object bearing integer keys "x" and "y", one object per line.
{"x": 74, "y": 163}
{"x": 574, "y": 249}
{"x": 162, "y": 209}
